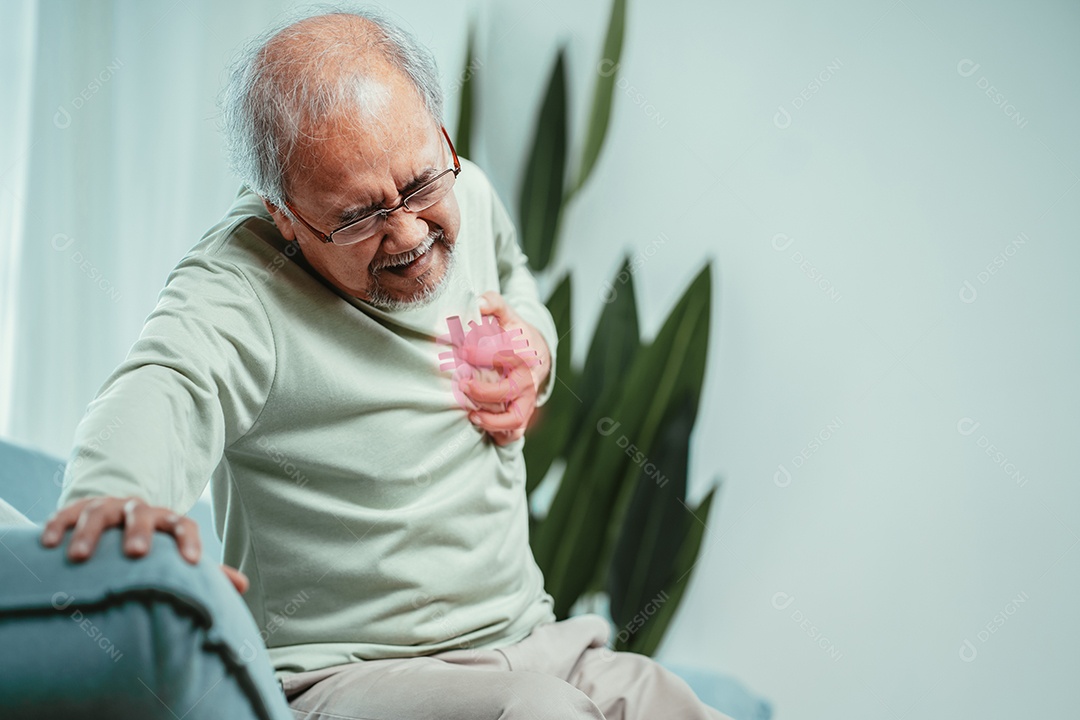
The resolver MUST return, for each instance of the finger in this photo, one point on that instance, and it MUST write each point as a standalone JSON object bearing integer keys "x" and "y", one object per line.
{"x": 185, "y": 531}
{"x": 96, "y": 515}
{"x": 516, "y": 369}
{"x": 482, "y": 355}
{"x": 496, "y": 391}
{"x": 237, "y": 578}
{"x": 510, "y": 436}
{"x": 492, "y": 303}
{"x": 59, "y": 522}
{"x": 138, "y": 527}
{"x": 509, "y": 375}
{"x": 506, "y": 437}
{"x": 515, "y": 417}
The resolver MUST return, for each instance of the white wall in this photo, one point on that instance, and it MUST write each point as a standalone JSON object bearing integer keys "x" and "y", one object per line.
{"x": 899, "y": 180}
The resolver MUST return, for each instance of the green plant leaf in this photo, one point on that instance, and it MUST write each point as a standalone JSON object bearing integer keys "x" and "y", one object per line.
{"x": 656, "y": 522}
{"x": 692, "y": 378}
{"x": 572, "y": 541}
{"x": 546, "y": 438}
{"x": 615, "y": 343}
{"x": 603, "y": 93}
{"x": 560, "y": 543}
{"x": 541, "y": 198}
{"x": 647, "y": 640}
{"x": 463, "y": 141}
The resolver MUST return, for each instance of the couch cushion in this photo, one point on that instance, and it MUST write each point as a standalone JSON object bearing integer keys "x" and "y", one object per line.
{"x": 30, "y": 480}
{"x": 122, "y": 637}
{"x": 724, "y": 693}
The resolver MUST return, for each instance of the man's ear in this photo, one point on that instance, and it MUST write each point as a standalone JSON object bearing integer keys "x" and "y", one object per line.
{"x": 284, "y": 224}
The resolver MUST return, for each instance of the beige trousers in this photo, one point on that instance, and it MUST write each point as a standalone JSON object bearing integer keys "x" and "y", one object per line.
{"x": 562, "y": 670}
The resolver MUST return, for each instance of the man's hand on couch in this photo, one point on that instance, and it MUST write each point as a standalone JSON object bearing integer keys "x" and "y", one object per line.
{"x": 91, "y": 516}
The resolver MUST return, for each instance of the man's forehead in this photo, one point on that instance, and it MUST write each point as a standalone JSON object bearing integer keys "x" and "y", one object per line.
{"x": 349, "y": 173}
{"x": 378, "y": 108}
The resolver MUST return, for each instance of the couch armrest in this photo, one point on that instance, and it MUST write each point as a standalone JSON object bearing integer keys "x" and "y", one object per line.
{"x": 121, "y": 637}
{"x": 724, "y": 693}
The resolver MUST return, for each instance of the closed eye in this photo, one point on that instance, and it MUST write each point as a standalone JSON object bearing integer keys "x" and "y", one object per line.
{"x": 354, "y": 214}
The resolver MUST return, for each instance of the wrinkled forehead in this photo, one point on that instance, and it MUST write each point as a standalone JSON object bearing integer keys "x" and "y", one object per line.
{"x": 341, "y": 148}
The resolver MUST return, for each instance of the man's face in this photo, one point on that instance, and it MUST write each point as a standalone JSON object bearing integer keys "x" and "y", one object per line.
{"x": 349, "y": 168}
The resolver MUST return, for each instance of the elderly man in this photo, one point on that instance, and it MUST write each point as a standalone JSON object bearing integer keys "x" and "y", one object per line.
{"x": 292, "y": 362}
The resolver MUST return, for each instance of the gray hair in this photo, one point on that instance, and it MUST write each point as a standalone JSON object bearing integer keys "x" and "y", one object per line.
{"x": 268, "y": 102}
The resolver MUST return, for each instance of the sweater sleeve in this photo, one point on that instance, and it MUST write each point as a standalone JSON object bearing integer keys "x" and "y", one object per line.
{"x": 519, "y": 288}
{"x": 195, "y": 380}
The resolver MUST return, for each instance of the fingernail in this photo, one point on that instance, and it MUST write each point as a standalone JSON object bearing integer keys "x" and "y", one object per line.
{"x": 80, "y": 547}
{"x": 189, "y": 553}
{"x": 137, "y": 545}
{"x": 49, "y": 537}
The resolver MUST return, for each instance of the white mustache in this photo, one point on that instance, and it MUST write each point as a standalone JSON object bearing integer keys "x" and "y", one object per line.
{"x": 407, "y": 257}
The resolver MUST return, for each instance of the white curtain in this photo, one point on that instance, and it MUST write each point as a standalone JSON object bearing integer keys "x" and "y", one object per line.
{"x": 116, "y": 172}
{"x": 17, "y": 49}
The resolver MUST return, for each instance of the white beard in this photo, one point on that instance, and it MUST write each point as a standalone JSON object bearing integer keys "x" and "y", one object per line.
{"x": 425, "y": 292}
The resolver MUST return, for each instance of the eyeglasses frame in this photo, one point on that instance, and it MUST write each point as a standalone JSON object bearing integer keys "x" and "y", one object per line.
{"x": 328, "y": 238}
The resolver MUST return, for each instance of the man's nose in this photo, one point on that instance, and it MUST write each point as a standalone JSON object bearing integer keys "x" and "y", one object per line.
{"x": 403, "y": 232}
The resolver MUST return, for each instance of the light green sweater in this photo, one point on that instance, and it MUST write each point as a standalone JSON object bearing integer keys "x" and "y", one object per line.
{"x": 373, "y": 519}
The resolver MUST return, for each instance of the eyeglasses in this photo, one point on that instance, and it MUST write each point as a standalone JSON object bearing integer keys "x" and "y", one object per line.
{"x": 372, "y": 224}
